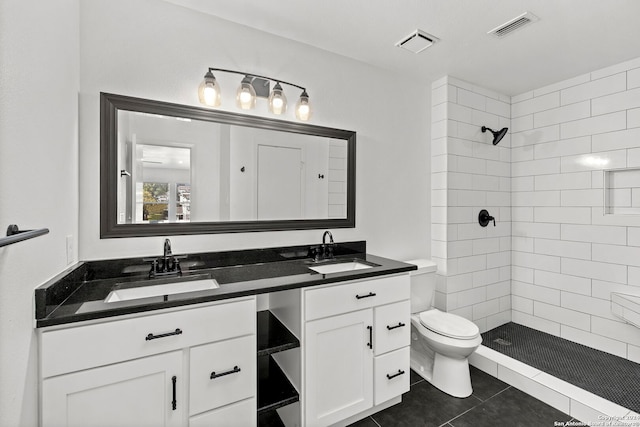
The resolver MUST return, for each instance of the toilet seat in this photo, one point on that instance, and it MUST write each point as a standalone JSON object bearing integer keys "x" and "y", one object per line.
{"x": 448, "y": 324}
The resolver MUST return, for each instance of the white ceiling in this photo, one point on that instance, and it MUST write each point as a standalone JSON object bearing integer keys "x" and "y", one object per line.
{"x": 572, "y": 37}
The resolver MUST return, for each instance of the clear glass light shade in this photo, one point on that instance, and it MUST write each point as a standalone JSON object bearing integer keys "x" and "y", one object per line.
{"x": 277, "y": 100}
{"x": 303, "y": 108}
{"x": 246, "y": 95}
{"x": 209, "y": 91}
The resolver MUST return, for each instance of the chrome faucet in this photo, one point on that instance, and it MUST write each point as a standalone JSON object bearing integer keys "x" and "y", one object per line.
{"x": 324, "y": 236}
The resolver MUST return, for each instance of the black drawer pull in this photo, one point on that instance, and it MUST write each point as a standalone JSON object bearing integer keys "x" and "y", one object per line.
{"x": 400, "y": 372}
{"x": 222, "y": 374}
{"x": 150, "y": 337}
{"x": 399, "y": 325}
{"x": 174, "y": 402}
{"x": 370, "y": 294}
{"x": 370, "y": 343}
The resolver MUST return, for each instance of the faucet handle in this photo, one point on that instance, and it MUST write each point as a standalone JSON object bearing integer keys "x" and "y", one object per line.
{"x": 484, "y": 218}
{"x": 328, "y": 251}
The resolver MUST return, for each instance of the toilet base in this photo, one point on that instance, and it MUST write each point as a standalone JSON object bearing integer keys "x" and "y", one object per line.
{"x": 449, "y": 375}
{"x": 452, "y": 376}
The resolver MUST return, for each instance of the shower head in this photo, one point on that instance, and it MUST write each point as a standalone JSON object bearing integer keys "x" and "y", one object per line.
{"x": 497, "y": 136}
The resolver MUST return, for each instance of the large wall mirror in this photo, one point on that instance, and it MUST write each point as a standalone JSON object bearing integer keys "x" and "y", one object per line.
{"x": 176, "y": 169}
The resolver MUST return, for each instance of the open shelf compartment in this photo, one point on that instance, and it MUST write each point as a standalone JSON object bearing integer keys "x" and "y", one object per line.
{"x": 274, "y": 388}
{"x": 273, "y": 336}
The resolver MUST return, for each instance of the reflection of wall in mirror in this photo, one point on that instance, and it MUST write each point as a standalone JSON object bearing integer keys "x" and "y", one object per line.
{"x": 220, "y": 189}
{"x": 315, "y": 176}
{"x": 337, "y": 179}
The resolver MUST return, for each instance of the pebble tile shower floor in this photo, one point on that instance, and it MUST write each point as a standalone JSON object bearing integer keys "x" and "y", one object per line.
{"x": 603, "y": 374}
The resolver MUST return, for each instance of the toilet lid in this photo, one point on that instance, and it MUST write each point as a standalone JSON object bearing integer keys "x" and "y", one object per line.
{"x": 448, "y": 324}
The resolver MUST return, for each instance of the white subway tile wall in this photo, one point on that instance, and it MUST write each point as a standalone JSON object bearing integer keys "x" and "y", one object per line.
{"x": 555, "y": 256}
{"x": 567, "y": 255}
{"x": 471, "y": 174}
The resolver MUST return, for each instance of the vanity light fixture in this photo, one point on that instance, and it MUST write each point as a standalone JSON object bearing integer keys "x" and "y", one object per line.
{"x": 252, "y": 87}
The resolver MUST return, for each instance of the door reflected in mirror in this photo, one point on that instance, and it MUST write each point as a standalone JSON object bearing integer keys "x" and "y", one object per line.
{"x": 224, "y": 174}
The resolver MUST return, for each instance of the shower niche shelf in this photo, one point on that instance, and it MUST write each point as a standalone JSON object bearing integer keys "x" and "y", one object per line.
{"x": 622, "y": 191}
{"x": 626, "y": 307}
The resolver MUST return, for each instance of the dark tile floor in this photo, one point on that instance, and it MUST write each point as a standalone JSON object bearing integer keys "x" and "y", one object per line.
{"x": 492, "y": 403}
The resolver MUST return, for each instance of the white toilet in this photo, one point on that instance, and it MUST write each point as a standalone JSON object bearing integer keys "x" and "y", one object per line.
{"x": 441, "y": 343}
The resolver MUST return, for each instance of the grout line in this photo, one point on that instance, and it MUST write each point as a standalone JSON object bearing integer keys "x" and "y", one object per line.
{"x": 476, "y": 406}
{"x": 417, "y": 382}
{"x": 374, "y": 420}
{"x": 468, "y": 410}
{"x": 481, "y": 402}
{"x": 494, "y": 395}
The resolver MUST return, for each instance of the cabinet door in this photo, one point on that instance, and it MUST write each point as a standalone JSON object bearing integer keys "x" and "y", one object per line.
{"x": 339, "y": 367}
{"x": 139, "y": 392}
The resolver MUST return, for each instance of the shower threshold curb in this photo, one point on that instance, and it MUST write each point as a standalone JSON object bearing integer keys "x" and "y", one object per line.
{"x": 578, "y": 403}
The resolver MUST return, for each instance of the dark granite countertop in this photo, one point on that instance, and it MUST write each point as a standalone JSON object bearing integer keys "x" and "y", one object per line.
{"x": 78, "y": 293}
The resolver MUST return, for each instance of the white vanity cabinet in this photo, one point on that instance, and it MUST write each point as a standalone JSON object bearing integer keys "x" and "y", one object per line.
{"x": 356, "y": 347}
{"x": 192, "y": 366}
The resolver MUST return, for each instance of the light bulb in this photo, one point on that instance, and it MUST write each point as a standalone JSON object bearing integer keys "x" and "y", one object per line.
{"x": 277, "y": 100}
{"x": 210, "y": 94}
{"x": 303, "y": 109}
{"x": 209, "y": 91}
{"x": 246, "y": 95}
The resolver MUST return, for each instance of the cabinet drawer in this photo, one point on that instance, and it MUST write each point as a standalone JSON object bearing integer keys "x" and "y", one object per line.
{"x": 222, "y": 373}
{"x": 390, "y": 375}
{"x": 241, "y": 414}
{"x": 392, "y": 326}
{"x": 353, "y": 296}
{"x": 81, "y": 347}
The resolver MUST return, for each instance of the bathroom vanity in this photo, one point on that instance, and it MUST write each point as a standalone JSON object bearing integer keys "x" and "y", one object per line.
{"x": 252, "y": 336}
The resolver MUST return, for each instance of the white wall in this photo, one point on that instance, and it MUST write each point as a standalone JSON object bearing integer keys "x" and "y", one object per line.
{"x": 38, "y": 178}
{"x": 567, "y": 255}
{"x": 155, "y": 50}
{"x": 469, "y": 173}
{"x": 55, "y": 58}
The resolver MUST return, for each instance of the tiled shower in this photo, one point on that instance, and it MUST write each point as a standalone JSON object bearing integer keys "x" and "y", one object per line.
{"x": 565, "y": 237}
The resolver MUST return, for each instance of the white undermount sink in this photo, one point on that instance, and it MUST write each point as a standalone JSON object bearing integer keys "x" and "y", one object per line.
{"x": 340, "y": 267}
{"x": 161, "y": 290}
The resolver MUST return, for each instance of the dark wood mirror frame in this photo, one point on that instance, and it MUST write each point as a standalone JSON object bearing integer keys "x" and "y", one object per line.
{"x": 109, "y": 173}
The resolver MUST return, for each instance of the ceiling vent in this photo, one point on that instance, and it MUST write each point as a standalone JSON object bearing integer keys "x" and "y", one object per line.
{"x": 513, "y": 25}
{"x": 417, "y": 41}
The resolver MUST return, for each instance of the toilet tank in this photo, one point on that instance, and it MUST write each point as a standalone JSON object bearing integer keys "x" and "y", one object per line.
{"x": 423, "y": 284}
